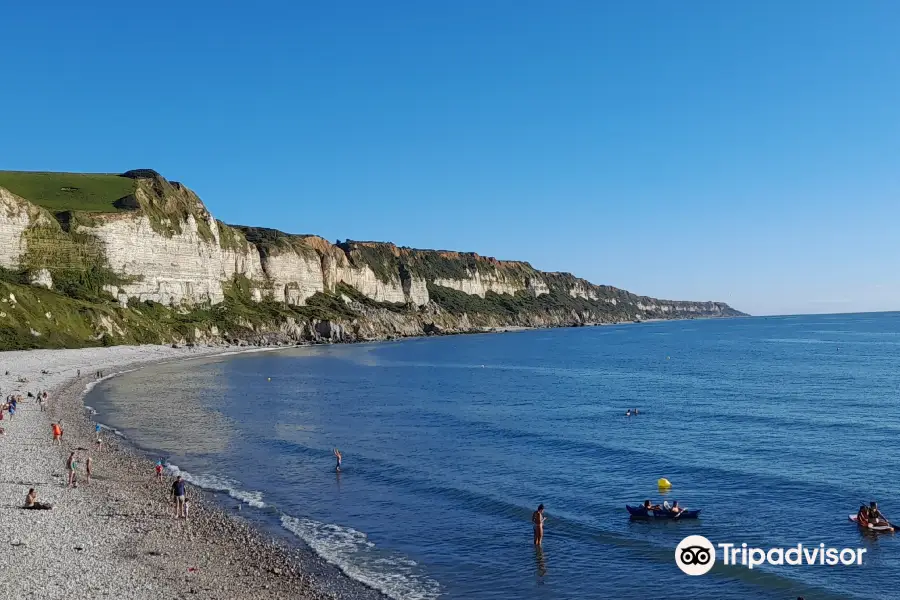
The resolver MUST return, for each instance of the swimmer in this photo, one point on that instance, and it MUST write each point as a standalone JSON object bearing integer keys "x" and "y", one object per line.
{"x": 537, "y": 520}
{"x": 337, "y": 455}
{"x": 628, "y": 413}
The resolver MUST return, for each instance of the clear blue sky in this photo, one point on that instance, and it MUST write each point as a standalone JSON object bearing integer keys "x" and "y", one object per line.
{"x": 745, "y": 152}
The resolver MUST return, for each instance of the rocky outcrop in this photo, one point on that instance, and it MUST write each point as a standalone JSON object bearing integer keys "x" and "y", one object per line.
{"x": 17, "y": 215}
{"x": 41, "y": 278}
{"x": 477, "y": 285}
{"x": 163, "y": 246}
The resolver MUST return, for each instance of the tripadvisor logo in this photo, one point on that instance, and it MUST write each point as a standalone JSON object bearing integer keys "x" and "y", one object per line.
{"x": 696, "y": 555}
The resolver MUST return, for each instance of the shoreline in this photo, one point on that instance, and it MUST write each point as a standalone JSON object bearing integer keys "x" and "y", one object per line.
{"x": 116, "y": 537}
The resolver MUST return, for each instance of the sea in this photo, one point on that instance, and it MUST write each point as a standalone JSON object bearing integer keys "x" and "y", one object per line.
{"x": 777, "y": 428}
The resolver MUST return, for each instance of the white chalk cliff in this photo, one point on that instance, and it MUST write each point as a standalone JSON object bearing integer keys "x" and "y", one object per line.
{"x": 167, "y": 248}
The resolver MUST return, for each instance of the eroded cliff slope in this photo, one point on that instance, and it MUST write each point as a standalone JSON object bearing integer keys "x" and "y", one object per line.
{"x": 90, "y": 259}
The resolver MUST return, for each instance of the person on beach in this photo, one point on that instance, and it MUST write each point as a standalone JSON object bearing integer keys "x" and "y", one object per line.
{"x": 42, "y": 401}
{"x": 71, "y": 465}
{"x": 13, "y": 404}
{"x": 178, "y": 495}
{"x": 57, "y": 433}
{"x": 159, "y": 471}
{"x": 31, "y": 502}
{"x": 87, "y": 469}
{"x": 337, "y": 455}
{"x": 537, "y": 520}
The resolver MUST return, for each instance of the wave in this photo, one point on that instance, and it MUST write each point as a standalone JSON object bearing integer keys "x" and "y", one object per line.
{"x": 215, "y": 483}
{"x": 92, "y": 384}
{"x": 351, "y": 551}
{"x": 348, "y": 549}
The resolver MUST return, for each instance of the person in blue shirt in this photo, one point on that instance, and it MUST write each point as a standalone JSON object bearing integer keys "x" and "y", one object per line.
{"x": 178, "y": 495}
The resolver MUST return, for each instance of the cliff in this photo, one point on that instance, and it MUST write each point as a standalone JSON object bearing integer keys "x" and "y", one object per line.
{"x": 132, "y": 258}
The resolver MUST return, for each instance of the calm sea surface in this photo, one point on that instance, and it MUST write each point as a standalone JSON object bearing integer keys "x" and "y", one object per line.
{"x": 776, "y": 427}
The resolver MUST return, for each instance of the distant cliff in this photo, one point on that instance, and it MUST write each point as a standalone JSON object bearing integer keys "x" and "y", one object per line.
{"x": 134, "y": 258}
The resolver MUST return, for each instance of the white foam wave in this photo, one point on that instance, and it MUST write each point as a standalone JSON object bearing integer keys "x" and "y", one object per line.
{"x": 92, "y": 384}
{"x": 351, "y": 551}
{"x": 216, "y": 483}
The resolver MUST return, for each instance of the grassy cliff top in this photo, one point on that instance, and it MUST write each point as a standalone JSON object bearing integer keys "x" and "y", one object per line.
{"x": 58, "y": 192}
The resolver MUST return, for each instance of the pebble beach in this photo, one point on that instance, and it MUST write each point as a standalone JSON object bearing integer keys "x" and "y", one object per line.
{"x": 117, "y": 536}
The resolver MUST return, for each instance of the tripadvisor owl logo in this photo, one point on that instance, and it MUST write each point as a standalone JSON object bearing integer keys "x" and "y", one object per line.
{"x": 695, "y": 555}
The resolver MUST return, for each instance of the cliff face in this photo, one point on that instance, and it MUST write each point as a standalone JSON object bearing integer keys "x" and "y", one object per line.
{"x": 159, "y": 250}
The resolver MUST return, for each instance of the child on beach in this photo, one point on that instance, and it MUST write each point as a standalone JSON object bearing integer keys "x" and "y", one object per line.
{"x": 31, "y": 502}
{"x": 87, "y": 469}
{"x": 57, "y": 433}
{"x": 159, "y": 470}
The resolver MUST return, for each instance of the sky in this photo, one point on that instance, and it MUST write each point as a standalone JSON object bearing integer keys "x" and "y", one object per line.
{"x": 700, "y": 150}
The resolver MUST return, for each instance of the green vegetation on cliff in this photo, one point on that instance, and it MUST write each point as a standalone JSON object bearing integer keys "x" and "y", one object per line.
{"x": 60, "y": 192}
{"x": 73, "y": 197}
{"x": 387, "y": 260}
{"x": 524, "y": 306}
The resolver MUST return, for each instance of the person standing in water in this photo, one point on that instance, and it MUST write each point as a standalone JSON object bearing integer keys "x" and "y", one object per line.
{"x": 537, "y": 519}
{"x": 337, "y": 455}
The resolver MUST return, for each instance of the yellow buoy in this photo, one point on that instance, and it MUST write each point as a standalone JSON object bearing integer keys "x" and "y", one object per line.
{"x": 664, "y": 483}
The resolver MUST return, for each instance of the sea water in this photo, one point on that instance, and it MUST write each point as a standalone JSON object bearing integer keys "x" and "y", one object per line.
{"x": 777, "y": 428}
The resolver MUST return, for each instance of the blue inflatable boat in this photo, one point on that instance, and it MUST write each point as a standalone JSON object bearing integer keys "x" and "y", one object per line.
{"x": 642, "y": 513}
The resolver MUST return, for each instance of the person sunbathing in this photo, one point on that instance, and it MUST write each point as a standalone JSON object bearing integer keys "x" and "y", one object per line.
{"x": 32, "y": 503}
